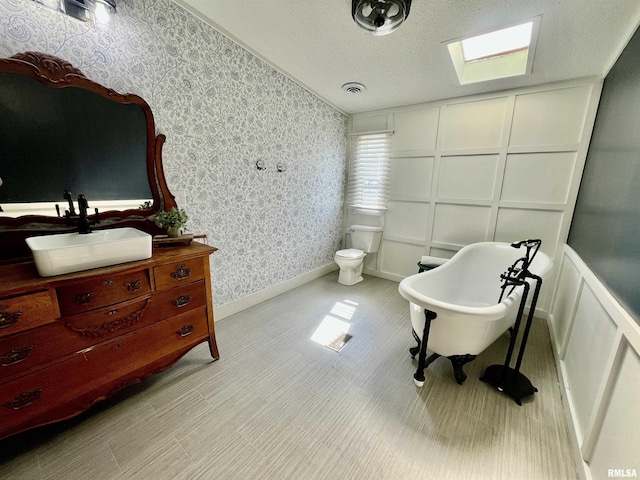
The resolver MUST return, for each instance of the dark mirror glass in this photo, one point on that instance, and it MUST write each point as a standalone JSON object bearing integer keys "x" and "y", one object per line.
{"x": 59, "y": 130}
{"x": 69, "y": 138}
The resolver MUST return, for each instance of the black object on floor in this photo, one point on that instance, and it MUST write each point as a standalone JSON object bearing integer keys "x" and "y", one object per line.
{"x": 509, "y": 381}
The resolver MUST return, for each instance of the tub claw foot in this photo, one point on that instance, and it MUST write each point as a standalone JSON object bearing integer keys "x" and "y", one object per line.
{"x": 458, "y": 361}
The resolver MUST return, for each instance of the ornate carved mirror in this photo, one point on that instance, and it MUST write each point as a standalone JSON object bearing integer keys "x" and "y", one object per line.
{"x": 61, "y": 131}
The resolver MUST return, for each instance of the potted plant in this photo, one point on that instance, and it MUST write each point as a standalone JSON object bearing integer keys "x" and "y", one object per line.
{"x": 172, "y": 220}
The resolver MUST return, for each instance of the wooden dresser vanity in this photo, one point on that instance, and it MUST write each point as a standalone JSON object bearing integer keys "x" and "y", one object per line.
{"x": 69, "y": 341}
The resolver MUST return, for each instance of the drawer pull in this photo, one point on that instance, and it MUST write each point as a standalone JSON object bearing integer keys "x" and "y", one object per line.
{"x": 182, "y": 301}
{"x": 186, "y": 330}
{"x": 133, "y": 286}
{"x": 112, "y": 312}
{"x": 83, "y": 298}
{"x": 8, "y": 319}
{"x": 24, "y": 399}
{"x": 15, "y": 355}
{"x": 106, "y": 283}
{"x": 181, "y": 272}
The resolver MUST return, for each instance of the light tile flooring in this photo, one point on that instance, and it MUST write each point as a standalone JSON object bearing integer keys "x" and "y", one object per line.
{"x": 277, "y": 406}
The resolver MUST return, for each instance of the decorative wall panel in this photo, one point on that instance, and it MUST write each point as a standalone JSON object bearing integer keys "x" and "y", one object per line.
{"x": 470, "y": 226}
{"x": 515, "y": 223}
{"x": 469, "y": 176}
{"x": 554, "y": 117}
{"x": 587, "y": 351}
{"x": 569, "y": 282}
{"x": 400, "y": 259}
{"x": 498, "y": 171}
{"x": 407, "y": 220}
{"x": 415, "y": 130}
{"x": 538, "y": 177}
{"x": 598, "y": 370}
{"x": 476, "y": 124}
{"x": 410, "y": 177}
{"x": 619, "y": 437}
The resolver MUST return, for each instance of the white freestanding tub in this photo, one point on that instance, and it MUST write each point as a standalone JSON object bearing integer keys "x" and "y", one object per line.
{"x": 461, "y": 296}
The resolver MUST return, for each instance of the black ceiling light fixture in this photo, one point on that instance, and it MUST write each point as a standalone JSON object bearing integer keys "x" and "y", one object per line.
{"x": 92, "y": 11}
{"x": 380, "y": 17}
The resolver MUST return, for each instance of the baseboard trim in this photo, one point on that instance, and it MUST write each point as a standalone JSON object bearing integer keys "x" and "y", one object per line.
{"x": 228, "y": 309}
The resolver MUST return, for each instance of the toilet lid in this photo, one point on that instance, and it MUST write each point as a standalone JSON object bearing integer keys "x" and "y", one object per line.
{"x": 350, "y": 253}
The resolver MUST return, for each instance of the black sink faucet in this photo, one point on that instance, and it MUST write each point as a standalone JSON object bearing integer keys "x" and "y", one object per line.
{"x": 84, "y": 225}
{"x": 82, "y": 218}
{"x": 83, "y": 222}
{"x": 67, "y": 197}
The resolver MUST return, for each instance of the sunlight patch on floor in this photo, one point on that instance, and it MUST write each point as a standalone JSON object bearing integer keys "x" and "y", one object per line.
{"x": 333, "y": 332}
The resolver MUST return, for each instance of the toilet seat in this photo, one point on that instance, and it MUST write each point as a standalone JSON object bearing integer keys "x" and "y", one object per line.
{"x": 352, "y": 253}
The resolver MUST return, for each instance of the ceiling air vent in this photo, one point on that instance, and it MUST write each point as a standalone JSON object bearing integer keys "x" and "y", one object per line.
{"x": 353, "y": 87}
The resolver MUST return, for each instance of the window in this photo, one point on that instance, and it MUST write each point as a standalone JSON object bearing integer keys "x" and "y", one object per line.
{"x": 502, "y": 53}
{"x": 369, "y": 171}
{"x": 499, "y": 42}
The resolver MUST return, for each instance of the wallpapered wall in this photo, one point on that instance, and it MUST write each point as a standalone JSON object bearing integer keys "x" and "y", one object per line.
{"x": 221, "y": 109}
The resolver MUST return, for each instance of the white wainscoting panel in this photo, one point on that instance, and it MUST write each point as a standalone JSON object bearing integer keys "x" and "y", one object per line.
{"x": 467, "y": 176}
{"x": 569, "y": 285}
{"x": 599, "y": 366}
{"x": 538, "y": 177}
{"x": 618, "y": 443}
{"x": 501, "y": 166}
{"x": 407, "y": 220}
{"x": 554, "y": 117}
{"x": 516, "y": 223}
{"x": 471, "y": 225}
{"x": 415, "y": 130}
{"x": 587, "y": 352}
{"x": 410, "y": 178}
{"x": 395, "y": 260}
{"x": 477, "y": 124}
{"x": 441, "y": 252}
{"x": 370, "y": 123}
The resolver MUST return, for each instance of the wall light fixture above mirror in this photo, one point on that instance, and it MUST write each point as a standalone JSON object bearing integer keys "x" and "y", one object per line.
{"x": 91, "y": 11}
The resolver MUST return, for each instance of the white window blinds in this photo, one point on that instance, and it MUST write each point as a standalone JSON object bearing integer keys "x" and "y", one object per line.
{"x": 369, "y": 171}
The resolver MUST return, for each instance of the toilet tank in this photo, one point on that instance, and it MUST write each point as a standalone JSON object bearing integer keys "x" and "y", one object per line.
{"x": 365, "y": 238}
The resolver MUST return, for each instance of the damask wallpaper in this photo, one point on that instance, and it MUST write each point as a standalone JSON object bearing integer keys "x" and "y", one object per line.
{"x": 221, "y": 109}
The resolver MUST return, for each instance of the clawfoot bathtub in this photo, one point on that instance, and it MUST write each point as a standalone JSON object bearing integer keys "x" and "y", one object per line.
{"x": 456, "y": 306}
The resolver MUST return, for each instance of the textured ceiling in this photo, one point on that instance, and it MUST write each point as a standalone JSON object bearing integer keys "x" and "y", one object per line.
{"x": 317, "y": 44}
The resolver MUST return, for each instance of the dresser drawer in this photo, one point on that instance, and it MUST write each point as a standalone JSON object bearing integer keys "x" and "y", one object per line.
{"x": 35, "y": 394}
{"x": 21, "y": 352}
{"x": 27, "y": 311}
{"x": 102, "y": 291}
{"x": 178, "y": 300}
{"x": 178, "y": 273}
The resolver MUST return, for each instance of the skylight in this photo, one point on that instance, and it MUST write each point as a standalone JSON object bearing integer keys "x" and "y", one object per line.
{"x": 496, "y": 43}
{"x": 502, "y": 53}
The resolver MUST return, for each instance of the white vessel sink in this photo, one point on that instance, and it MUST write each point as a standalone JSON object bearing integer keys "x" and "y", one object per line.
{"x": 73, "y": 252}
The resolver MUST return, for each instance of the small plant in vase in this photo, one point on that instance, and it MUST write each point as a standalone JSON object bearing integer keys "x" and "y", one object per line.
{"x": 172, "y": 220}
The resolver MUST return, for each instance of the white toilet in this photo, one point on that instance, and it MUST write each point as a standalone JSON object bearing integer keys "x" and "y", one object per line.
{"x": 364, "y": 239}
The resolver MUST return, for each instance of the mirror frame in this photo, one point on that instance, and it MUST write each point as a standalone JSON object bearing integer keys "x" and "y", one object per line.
{"x": 58, "y": 73}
